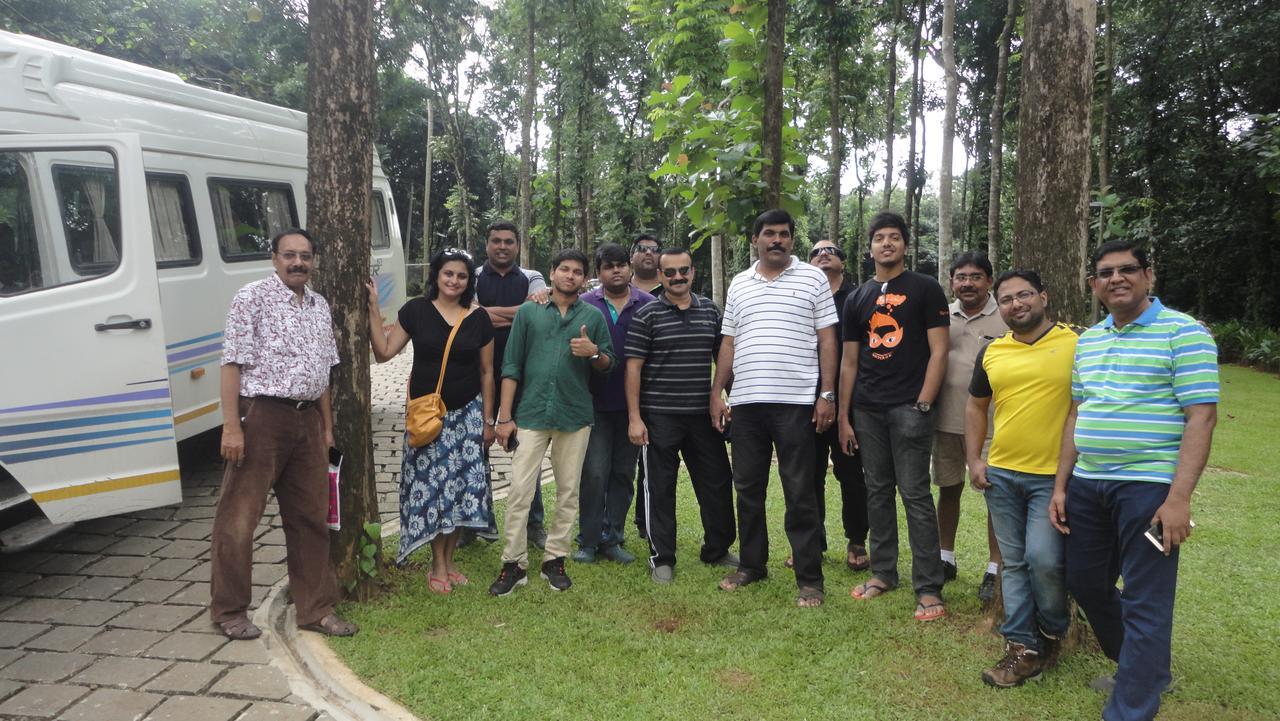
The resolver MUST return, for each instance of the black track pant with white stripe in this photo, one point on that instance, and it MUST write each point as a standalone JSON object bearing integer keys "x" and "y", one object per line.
{"x": 672, "y": 436}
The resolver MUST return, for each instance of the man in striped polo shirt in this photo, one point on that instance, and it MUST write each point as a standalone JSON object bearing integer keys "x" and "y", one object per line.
{"x": 669, "y": 349}
{"x": 1144, "y": 391}
{"x": 779, "y": 332}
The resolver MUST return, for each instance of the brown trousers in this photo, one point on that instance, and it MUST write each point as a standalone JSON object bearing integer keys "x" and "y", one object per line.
{"x": 284, "y": 449}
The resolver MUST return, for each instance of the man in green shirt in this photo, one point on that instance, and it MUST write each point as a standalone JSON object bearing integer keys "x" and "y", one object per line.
{"x": 550, "y": 354}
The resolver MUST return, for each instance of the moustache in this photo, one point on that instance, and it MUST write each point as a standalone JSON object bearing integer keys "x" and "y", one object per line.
{"x": 297, "y": 269}
{"x": 679, "y": 282}
{"x": 776, "y": 246}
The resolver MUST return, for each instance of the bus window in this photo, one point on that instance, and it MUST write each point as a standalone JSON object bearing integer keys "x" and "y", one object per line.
{"x": 381, "y": 238}
{"x": 20, "y": 261}
{"x": 89, "y": 203}
{"x": 173, "y": 221}
{"x": 247, "y": 213}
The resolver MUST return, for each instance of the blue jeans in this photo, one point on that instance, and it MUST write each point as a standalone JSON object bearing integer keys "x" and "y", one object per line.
{"x": 1032, "y": 574}
{"x": 895, "y": 445}
{"x": 1134, "y": 627}
{"x": 604, "y": 496}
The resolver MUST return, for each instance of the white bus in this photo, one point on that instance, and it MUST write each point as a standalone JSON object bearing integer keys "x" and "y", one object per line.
{"x": 132, "y": 207}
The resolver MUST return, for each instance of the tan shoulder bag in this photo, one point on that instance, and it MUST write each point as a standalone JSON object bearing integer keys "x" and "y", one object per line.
{"x": 424, "y": 416}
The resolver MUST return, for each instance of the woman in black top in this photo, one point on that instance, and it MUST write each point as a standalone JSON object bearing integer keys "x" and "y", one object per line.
{"x": 444, "y": 485}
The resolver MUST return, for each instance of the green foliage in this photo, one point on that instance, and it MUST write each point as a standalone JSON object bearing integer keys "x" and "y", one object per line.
{"x": 1250, "y": 345}
{"x": 370, "y": 549}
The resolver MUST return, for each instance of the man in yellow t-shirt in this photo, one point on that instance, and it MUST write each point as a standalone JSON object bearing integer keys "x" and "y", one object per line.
{"x": 1027, "y": 372}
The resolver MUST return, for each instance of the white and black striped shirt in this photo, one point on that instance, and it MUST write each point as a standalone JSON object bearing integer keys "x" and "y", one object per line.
{"x": 775, "y": 327}
{"x": 678, "y": 347}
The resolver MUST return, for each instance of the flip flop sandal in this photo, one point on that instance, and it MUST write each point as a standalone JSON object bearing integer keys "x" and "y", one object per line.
{"x": 740, "y": 578}
{"x": 457, "y": 579}
{"x": 438, "y": 585}
{"x": 873, "y": 588}
{"x": 240, "y": 629}
{"x": 809, "y": 594}
{"x": 331, "y": 625}
{"x": 857, "y": 559}
{"x": 790, "y": 562}
{"x": 925, "y": 613}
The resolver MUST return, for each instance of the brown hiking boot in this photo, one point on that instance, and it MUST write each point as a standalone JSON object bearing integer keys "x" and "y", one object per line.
{"x": 1050, "y": 650}
{"x": 1019, "y": 665}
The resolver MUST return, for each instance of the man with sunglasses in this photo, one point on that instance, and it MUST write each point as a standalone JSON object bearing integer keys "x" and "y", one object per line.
{"x": 895, "y": 356}
{"x": 827, "y": 257}
{"x": 644, "y": 263}
{"x": 779, "y": 347}
{"x": 669, "y": 349}
{"x": 1144, "y": 392}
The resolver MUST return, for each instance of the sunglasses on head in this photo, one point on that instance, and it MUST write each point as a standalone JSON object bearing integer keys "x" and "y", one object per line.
{"x": 826, "y": 250}
{"x": 673, "y": 272}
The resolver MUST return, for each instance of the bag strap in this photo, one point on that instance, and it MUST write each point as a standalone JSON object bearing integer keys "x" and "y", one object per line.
{"x": 444, "y": 361}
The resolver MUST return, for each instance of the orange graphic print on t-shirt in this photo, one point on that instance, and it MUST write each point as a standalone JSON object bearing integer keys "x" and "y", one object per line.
{"x": 884, "y": 330}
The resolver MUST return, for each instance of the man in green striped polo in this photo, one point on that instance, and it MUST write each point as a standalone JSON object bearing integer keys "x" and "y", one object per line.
{"x": 1144, "y": 393}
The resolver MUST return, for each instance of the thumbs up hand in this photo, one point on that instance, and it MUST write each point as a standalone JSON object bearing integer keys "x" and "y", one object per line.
{"x": 582, "y": 347}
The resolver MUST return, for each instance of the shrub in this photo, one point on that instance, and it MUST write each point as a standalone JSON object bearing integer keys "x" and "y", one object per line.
{"x": 1255, "y": 346}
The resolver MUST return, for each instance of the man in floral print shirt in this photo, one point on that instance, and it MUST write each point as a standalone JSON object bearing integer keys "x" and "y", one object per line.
{"x": 277, "y": 427}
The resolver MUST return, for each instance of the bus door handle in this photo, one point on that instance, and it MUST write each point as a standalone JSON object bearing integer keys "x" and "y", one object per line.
{"x": 139, "y": 324}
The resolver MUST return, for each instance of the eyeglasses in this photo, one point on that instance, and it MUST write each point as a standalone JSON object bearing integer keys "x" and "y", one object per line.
{"x": 1022, "y": 296}
{"x": 292, "y": 255}
{"x": 1126, "y": 270}
{"x": 826, "y": 250}
{"x": 969, "y": 277}
{"x": 673, "y": 272}
{"x": 652, "y": 249}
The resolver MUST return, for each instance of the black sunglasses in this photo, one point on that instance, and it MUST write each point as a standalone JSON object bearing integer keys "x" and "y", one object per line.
{"x": 826, "y": 250}
{"x": 673, "y": 272}
{"x": 640, "y": 248}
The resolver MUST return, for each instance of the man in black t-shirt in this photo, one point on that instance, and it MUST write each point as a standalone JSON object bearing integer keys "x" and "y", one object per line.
{"x": 502, "y": 287}
{"x": 895, "y": 356}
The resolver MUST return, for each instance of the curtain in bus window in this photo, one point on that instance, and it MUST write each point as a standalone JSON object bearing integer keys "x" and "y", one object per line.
{"x": 168, "y": 229}
{"x": 224, "y": 219}
{"x": 278, "y": 215}
{"x": 104, "y": 245}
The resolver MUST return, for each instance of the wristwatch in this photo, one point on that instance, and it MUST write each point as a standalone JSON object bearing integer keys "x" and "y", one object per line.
{"x": 829, "y": 396}
{"x": 923, "y": 406}
{"x": 596, "y": 356}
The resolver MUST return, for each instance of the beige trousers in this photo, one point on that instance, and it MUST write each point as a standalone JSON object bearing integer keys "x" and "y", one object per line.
{"x": 568, "y": 448}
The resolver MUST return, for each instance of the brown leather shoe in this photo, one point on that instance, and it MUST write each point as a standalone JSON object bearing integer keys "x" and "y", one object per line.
{"x": 1019, "y": 665}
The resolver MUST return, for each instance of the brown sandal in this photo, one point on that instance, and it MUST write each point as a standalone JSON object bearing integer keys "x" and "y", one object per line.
{"x": 332, "y": 625}
{"x": 740, "y": 578}
{"x": 810, "y": 597}
{"x": 240, "y": 629}
{"x": 856, "y": 558}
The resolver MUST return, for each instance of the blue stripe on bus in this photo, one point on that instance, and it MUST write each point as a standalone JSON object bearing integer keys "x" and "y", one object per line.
{"x": 73, "y": 437}
{"x": 56, "y": 452}
{"x": 190, "y": 341}
{"x": 21, "y": 428}
{"x": 93, "y": 401}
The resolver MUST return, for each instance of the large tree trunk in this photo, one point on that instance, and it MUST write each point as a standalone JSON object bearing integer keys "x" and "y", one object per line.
{"x": 1052, "y": 209}
{"x": 771, "y": 123}
{"x": 948, "y": 139}
{"x": 891, "y": 94}
{"x": 526, "y": 148}
{"x": 340, "y": 134}
{"x": 836, "y": 159}
{"x": 997, "y": 136}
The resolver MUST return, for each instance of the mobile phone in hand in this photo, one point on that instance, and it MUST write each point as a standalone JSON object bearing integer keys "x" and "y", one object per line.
{"x": 512, "y": 443}
{"x": 1155, "y": 534}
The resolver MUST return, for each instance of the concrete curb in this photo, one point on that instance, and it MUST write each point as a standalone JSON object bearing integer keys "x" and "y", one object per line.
{"x": 313, "y": 670}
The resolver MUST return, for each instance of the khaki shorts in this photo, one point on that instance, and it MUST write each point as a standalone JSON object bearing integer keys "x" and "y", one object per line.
{"x": 949, "y": 464}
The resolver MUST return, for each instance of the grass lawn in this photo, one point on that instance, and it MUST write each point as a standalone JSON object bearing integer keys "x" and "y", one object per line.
{"x": 616, "y": 646}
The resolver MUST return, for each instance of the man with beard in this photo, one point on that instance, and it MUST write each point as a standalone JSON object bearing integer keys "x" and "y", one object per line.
{"x": 669, "y": 350}
{"x": 610, "y": 462}
{"x": 644, "y": 263}
{"x": 895, "y": 356}
{"x": 277, "y": 428}
{"x": 551, "y": 353}
{"x": 501, "y": 287}
{"x": 1144, "y": 392}
{"x": 829, "y": 258}
{"x": 1027, "y": 372}
{"x": 779, "y": 340}
{"x": 975, "y": 320}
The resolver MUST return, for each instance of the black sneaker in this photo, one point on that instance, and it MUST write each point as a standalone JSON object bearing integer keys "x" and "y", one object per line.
{"x": 987, "y": 589}
{"x": 948, "y": 571}
{"x": 509, "y": 578}
{"x": 553, "y": 571}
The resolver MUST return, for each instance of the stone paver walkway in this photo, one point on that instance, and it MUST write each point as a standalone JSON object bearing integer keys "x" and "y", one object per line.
{"x": 109, "y": 621}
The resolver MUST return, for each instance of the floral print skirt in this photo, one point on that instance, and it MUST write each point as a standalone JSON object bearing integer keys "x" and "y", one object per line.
{"x": 444, "y": 485}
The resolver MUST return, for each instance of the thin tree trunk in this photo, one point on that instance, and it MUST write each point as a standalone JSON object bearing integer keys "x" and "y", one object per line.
{"x": 526, "y": 148}
{"x": 997, "y": 136}
{"x": 717, "y": 270}
{"x": 1052, "y": 211}
{"x": 914, "y": 114}
{"x": 557, "y": 129}
{"x": 890, "y": 102}
{"x": 771, "y": 123}
{"x": 948, "y": 139}
{"x": 1104, "y": 115}
{"x": 340, "y": 134}
{"x": 836, "y": 160}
